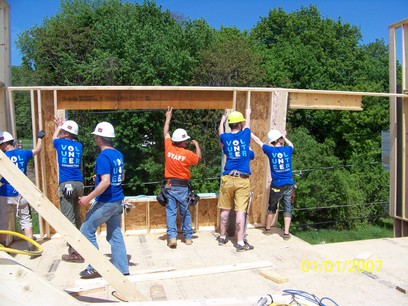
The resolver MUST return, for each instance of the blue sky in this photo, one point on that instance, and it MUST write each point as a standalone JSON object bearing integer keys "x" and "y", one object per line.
{"x": 372, "y": 17}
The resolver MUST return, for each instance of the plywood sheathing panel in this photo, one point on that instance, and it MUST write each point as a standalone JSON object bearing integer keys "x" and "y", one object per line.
{"x": 150, "y": 215}
{"x": 303, "y": 100}
{"x": 207, "y": 212}
{"x": 143, "y": 99}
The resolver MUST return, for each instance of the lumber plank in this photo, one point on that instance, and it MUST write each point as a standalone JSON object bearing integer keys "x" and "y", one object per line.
{"x": 66, "y": 229}
{"x": 143, "y": 99}
{"x": 21, "y": 286}
{"x": 273, "y": 276}
{"x": 325, "y": 101}
{"x": 183, "y": 273}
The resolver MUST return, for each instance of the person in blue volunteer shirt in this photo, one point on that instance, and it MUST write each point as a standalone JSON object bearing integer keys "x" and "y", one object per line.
{"x": 11, "y": 202}
{"x": 235, "y": 185}
{"x": 282, "y": 185}
{"x": 108, "y": 204}
{"x": 71, "y": 186}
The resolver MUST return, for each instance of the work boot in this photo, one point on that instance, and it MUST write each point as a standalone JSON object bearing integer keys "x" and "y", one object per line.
{"x": 73, "y": 257}
{"x": 172, "y": 243}
{"x": 189, "y": 242}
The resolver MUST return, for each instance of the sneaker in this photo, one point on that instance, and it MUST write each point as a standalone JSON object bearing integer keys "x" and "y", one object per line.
{"x": 243, "y": 248}
{"x": 189, "y": 242}
{"x": 267, "y": 232}
{"x": 286, "y": 236}
{"x": 222, "y": 241}
{"x": 172, "y": 243}
{"x": 73, "y": 257}
{"x": 32, "y": 248}
{"x": 89, "y": 274}
{"x": 249, "y": 246}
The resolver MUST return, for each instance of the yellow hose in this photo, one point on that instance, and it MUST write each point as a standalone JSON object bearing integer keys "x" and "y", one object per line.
{"x": 39, "y": 251}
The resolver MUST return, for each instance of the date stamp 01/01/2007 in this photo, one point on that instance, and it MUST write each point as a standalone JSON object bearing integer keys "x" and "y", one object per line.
{"x": 347, "y": 266}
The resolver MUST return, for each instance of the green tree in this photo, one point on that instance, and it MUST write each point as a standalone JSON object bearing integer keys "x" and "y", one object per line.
{"x": 230, "y": 60}
{"x": 303, "y": 50}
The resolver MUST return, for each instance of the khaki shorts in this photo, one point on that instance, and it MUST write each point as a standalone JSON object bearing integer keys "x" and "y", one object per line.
{"x": 9, "y": 208}
{"x": 234, "y": 193}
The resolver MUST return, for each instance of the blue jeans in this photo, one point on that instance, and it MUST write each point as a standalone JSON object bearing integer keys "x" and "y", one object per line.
{"x": 109, "y": 213}
{"x": 178, "y": 194}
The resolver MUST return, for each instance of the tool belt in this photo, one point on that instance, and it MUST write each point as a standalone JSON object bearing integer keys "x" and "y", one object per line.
{"x": 175, "y": 182}
{"x": 237, "y": 173}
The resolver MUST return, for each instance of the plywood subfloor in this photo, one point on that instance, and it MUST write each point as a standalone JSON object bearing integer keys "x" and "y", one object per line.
{"x": 149, "y": 255}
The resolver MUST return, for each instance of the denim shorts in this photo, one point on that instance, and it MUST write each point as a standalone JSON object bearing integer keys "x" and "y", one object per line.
{"x": 281, "y": 194}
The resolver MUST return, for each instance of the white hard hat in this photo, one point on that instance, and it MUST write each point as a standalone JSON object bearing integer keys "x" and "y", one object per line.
{"x": 179, "y": 135}
{"x": 104, "y": 129}
{"x": 70, "y": 126}
{"x": 5, "y": 137}
{"x": 274, "y": 135}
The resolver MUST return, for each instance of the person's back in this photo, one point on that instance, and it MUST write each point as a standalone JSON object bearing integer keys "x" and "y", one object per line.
{"x": 176, "y": 185}
{"x": 282, "y": 184}
{"x": 108, "y": 204}
{"x": 10, "y": 199}
{"x": 235, "y": 184}
{"x": 280, "y": 162}
{"x": 236, "y": 150}
{"x": 71, "y": 186}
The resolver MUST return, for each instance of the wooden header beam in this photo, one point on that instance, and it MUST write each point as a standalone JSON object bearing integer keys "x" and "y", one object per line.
{"x": 143, "y": 99}
{"x": 324, "y": 101}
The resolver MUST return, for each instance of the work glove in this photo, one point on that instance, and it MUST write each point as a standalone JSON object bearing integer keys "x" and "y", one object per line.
{"x": 127, "y": 207}
{"x": 41, "y": 134}
{"x": 68, "y": 189}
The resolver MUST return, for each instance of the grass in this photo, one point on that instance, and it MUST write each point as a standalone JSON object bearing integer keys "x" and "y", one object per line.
{"x": 313, "y": 236}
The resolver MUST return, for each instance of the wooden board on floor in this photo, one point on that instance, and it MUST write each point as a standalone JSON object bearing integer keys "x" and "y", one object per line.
{"x": 273, "y": 276}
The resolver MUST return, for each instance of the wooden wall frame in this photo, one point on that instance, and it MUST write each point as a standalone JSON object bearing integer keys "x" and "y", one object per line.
{"x": 269, "y": 109}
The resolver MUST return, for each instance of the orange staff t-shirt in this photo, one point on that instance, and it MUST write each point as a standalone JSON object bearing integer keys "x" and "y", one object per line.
{"x": 178, "y": 161}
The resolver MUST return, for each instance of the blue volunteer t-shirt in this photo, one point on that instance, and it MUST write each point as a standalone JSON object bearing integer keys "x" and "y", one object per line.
{"x": 236, "y": 149}
{"x": 110, "y": 161}
{"x": 280, "y": 161}
{"x": 69, "y": 154}
{"x": 20, "y": 158}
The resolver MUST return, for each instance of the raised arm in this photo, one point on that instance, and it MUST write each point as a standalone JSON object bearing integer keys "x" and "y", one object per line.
{"x": 167, "y": 123}
{"x": 257, "y": 140}
{"x": 38, "y": 146}
{"x": 288, "y": 141}
{"x": 222, "y": 123}
{"x": 58, "y": 124}
{"x": 197, "y": 147}
{"x": 247, "y": 118}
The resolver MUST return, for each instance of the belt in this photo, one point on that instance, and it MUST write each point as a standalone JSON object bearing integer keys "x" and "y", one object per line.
{"x": 236, "y": 173}
{"x": 176, "y": 182}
